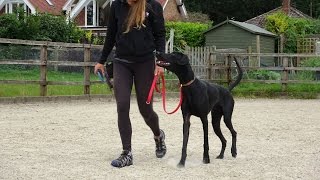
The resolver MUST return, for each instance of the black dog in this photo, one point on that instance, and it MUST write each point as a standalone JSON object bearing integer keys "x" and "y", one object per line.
{"x": 199, "y": 98}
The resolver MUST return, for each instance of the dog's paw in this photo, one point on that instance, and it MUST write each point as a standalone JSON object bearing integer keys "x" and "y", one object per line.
{"x": 220, "y": 157}
{"x": 234, "y": 152}
{"x": 206, "y": 160}
{"x": 180, "y": 165}
{"x": 234, "y": 155}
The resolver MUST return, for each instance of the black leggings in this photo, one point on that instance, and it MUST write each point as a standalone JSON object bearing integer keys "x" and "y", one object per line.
{"x": 141, "y": 74}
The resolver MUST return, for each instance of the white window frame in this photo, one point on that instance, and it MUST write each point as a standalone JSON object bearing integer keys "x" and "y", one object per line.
{"x": 9, "y": 5}
{"x": 49, "y": 2}
{"x": 95, "y": 14}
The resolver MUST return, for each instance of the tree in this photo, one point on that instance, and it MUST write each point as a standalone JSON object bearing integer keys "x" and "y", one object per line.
{"x": 242, "y": 10}
{"x": 310, "y": 7}
{"x": 39, "y": 27}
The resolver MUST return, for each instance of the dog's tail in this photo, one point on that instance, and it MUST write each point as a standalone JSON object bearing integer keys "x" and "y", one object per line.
{"x": 240, "y": 74}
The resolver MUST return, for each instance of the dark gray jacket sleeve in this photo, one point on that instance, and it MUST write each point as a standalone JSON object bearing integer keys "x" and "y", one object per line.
{"x": 111, "y": 35}
{"x": 158, "y": 27}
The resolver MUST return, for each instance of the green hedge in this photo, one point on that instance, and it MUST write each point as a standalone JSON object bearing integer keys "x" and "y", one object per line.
{"x": 187, "y": 33}
{"x": 39, "y": 27}
{"x": 292, "y": 28}
{"x": 43, "y": 26}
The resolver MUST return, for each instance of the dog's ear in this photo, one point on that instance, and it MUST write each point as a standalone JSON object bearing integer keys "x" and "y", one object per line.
{"x": 182, "y": 59}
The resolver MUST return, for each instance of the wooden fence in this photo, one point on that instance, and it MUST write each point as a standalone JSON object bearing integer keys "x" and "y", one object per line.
{"x": 208, "y": 66}
{"x": 43, "y": 63}
{"x": 203, "y": 61}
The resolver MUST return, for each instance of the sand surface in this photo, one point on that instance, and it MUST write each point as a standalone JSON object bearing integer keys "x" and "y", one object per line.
{"x": 277, "y": 139}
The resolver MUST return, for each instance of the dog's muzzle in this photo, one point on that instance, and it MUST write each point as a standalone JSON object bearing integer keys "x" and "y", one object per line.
{"x": 162, "y": 63}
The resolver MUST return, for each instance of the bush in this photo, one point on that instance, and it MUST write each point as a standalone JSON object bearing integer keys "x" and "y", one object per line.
{"x": 9, "y": 24}
{"x": 187, "y": 33}
{"x": 292, "y": 28}
{"x": 264, "y": 75}
{"x": 39, "y": 27}
{"x": 309, "y": 75}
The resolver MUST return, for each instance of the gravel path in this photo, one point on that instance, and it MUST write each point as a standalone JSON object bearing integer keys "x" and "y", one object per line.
{"x": 277, "y": 139}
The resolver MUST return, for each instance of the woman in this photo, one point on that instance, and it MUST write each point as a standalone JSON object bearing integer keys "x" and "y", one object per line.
{"x": 136, "y": 28}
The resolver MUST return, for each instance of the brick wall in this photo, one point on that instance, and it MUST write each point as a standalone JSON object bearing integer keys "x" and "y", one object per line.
{"x": 171, "y": 12}
{"x": 80, "y": 19}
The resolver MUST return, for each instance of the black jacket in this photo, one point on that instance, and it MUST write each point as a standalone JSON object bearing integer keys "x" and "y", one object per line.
{"x": 138, "y": 44}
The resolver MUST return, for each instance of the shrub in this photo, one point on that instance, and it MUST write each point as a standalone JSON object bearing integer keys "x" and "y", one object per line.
{"x": 9, "y": 24}
{"x": 309, "y": 75}
{"x": 39, "y": 27}
{"x": 187, "y": 33}
{"x": 277, "y": 23}
{"x": 291, "y": 28}
{"x": 264, "y": 75}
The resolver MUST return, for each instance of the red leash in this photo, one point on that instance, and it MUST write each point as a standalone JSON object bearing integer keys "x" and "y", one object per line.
{"x": 163, "y": 93}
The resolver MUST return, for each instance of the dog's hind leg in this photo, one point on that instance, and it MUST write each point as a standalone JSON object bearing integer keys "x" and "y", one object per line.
{"x": 206, "y": 158}
{"x": 216, "y": 114}
{"x": 228, "y": 122}
{"x": 186, "y": 127}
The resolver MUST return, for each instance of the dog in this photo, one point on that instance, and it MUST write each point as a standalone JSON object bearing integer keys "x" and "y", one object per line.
{"x": 199, "y": 99}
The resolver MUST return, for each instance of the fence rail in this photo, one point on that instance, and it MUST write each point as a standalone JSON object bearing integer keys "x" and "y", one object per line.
{"x": 203, "y": 61}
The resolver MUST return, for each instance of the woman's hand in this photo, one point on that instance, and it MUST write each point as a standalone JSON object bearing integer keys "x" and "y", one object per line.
{"x": 158, "y": 70}
{"x": 97, "y": 67}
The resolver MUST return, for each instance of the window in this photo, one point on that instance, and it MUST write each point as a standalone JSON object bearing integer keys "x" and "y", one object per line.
{"x": 92, "y": 13}
{"x": 7, "y": 8}
{"x": 13, "y": 6}
{"x": 27, "y": 10}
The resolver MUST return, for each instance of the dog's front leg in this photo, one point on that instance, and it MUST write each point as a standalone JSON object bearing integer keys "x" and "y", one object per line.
{"x": 186, "y": 127}
{"x": 206, "y": 158}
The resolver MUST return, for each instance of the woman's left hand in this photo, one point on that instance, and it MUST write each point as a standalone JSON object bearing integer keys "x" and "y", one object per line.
{"x": 158, "y": 70}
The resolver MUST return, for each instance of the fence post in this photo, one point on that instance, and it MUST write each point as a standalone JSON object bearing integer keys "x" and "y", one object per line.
{"x": 211, "y": 62}
{"x": 87, "y": 58}
{"x": 228, "y": 63}
{"x": 258, "y": 51}
{"x": 43, "y": 70}
{"x": 282, "y": 39}
{"x": 171, "y": 40}
{"x": 285, "y": 74}
{"x": 250, "y": 59}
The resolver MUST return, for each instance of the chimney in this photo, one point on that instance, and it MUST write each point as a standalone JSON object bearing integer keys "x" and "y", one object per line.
{"x": 286, "y": 6}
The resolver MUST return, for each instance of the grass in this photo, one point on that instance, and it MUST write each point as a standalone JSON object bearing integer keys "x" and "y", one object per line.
{"x": 301, "y": 91}
{"x": 13, "y": 90}
{"x": 242, "y": 90}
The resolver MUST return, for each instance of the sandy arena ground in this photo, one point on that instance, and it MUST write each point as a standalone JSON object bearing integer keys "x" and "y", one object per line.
{"x": 277, "y": 139}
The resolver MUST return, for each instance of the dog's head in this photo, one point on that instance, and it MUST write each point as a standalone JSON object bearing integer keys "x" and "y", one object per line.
{"x": 175, "y": 62}
{"x": 178, "y": 63}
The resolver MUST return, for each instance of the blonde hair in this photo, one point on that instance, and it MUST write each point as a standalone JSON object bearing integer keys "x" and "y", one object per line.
{"x": 136, "y": 15}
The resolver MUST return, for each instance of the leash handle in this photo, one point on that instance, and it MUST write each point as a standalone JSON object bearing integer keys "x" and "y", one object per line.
{"x": 105, "y": 78}
{"x": 100, "y": 76}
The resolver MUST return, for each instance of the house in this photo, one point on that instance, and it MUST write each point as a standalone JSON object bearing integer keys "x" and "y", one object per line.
{"x": 32, "y": 6}
{"x": 86, "y": 13}
{"x": 286, "y": 8}
{"x": 239, "y": 35}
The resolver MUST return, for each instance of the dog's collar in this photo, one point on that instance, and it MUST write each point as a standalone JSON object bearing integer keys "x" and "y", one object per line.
{"x": 189, "y": 83}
